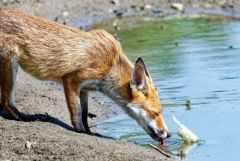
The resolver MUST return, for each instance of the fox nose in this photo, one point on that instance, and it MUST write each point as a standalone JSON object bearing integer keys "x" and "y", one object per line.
{"x": 163, "y": 134}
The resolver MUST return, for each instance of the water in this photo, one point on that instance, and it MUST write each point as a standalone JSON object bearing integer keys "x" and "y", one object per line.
{"x": 197, "y": 60}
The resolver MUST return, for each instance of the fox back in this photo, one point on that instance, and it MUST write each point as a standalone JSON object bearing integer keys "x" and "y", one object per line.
{"x": 48, "y": 50}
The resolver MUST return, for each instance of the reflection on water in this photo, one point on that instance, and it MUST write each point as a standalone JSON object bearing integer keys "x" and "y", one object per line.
{"x": 194, "y": 60}
{"x": 123, "y": 128}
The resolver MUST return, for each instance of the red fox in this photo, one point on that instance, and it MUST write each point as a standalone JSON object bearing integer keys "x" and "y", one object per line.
{"x": 82, "y": 61}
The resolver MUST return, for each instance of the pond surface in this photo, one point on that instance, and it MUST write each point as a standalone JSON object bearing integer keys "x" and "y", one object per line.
{"x": 195, "y": 60}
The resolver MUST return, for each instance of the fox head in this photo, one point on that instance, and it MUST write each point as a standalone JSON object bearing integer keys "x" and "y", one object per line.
{"x": 145, "y": 106}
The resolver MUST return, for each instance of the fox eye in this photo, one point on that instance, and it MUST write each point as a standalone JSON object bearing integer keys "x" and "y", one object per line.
{"x": 157, "y": 113}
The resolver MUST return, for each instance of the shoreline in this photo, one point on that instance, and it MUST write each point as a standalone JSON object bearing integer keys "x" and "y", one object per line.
{"x": 85, "y": 14}
{"x": 54, "y": 140}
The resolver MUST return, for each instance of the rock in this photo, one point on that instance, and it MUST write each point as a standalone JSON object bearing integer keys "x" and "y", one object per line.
{"x": 133, "y": 6}
{"x": 110, "y": 11}
{"x": 115, "y": 2}
{"x": 5, "y": 1}
{"x": 101, "y": 103}
{"x": 65, "y": 14}
{"x": 223, "y": 2}
{"x": 116, "y": 25}
{"x": 156, "y": 11}
{"x": 28, "y": 145}
{"x": 115, "y": 35}
{"x": 115, "y": 11}
{"x": 226, "y": 4}
{"x": 178, "y": 6}
{"x": 208, "y": 5}
{"x": 142, "y": 8}
{"x": 119, "y": 14}
{"x": 148, "y": 6}
{"x": 56, "y": 19}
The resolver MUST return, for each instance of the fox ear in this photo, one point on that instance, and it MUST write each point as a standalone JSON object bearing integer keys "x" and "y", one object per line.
{"x": 140, "y": 62}
{"x": 139, "y": 73}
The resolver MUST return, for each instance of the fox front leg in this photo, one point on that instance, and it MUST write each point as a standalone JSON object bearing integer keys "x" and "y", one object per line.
{"x": 84, "y": 108}
{"x": 72, "y": 91}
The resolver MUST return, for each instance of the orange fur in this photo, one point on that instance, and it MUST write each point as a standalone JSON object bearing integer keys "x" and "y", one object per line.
{"x": 52, "y": 51}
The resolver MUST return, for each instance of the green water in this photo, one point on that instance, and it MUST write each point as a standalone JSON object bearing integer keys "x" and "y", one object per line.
{"x": 197, "y": 60}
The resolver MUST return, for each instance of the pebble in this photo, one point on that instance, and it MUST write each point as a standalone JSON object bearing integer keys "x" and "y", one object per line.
{"x": 110, "y": 11}
{"x": 28, "y": 145}
{"x": 115, "y": 2}
{"x": 177, "y": 6}
{"x": 65, "y": 14}
{"x": 148, "y": 6}
{"x": 101, "y": 103}
{"x": 226, "y": 4}
{"x": 133, "y": 6}
{"x": 142, "y": 8}
{"x": 115, "y": 25}
{"x": 119, "y": 14}
{"x": 156, "y": 11}
{"x": 5, "y": 1}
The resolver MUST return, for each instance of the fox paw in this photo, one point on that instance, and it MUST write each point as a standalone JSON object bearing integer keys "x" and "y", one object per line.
{"x": 83, "y": 131}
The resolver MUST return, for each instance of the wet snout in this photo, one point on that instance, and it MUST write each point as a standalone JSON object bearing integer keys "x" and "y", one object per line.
{"x": 158, "y": 135}
{"x": 164, "y": 134}
{"x": 163, "y": 131}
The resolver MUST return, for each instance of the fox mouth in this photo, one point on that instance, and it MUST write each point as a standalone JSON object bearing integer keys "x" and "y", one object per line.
{"x": 160, "y": 136}
{"x": 155, "y": 135}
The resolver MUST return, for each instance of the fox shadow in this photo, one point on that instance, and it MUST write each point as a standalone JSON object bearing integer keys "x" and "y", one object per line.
{"x": 50, "y": 119}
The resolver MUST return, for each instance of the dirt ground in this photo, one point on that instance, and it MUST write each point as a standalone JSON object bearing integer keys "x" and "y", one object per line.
{"x": 55, "y": 140}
